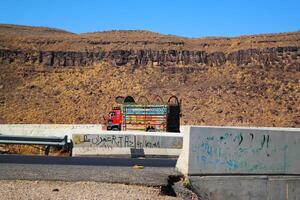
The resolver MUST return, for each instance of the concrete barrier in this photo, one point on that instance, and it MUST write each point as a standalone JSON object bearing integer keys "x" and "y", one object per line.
{"x": 90, "y": 139}
{"x": 45, "y": 130}
{"x": 128, "y": 143}
{"x": 239, "y": 150}
{"x": 237, "y": 163}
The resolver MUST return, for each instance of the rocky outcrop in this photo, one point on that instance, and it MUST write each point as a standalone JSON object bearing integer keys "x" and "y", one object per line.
{"x": 266, "y": 56}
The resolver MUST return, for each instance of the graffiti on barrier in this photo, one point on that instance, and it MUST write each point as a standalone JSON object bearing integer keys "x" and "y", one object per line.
{"x": 126, "y": 141}
{"x": 105, "y": 141}
{"x": 239, "y": 150}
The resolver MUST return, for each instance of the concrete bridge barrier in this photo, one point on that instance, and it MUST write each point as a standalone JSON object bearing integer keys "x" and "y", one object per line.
{"x": 128, "y": 143}
{"x": 242, "y": 163}
{"x": 90, "y": 139}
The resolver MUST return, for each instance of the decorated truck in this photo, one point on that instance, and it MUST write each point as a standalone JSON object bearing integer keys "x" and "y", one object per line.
{"x": 146, "y": 116}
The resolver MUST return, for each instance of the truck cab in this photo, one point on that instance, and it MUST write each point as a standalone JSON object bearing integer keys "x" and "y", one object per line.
{"x": 114, "y": 119}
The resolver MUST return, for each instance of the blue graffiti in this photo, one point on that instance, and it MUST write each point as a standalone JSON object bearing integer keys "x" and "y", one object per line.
{"x": 204, "y": 158}
{"x": 207, "y": 148}
{"x": 210, "y": 138}
{"x": 195, "y": 148}
{"x": 232, "y": 164}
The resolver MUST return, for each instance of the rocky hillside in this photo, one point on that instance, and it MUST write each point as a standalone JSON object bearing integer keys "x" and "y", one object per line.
{"x": 54, "y": 76}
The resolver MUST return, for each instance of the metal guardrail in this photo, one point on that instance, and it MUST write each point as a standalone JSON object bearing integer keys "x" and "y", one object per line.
{"x": 30, "y": 140}
{"x": 52, "y": 141}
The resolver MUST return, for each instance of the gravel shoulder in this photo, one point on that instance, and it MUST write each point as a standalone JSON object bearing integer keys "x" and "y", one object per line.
{"x": 95, "y": 181}
{"x": 22, "y": 189}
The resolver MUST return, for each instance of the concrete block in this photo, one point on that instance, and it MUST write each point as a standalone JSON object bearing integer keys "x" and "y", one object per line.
{"x": 246, "y": 187}
{"x": 284, "y": 187}
{"x": 239, "y": 150}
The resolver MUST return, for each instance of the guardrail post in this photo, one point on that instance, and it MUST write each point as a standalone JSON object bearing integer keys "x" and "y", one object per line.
{"x": 70, "y": 148}
{"x": 47, "y": 149}
{"x": 134, "y": 141}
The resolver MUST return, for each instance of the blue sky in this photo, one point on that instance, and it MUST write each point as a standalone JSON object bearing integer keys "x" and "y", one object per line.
{"x": 190, "y": 18}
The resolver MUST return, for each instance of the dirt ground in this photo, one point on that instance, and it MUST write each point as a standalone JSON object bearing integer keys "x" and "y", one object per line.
{"x": 31, "y": 150}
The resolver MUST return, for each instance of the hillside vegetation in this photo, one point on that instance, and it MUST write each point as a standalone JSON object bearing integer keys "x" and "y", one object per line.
{"x": 54, "y": 76}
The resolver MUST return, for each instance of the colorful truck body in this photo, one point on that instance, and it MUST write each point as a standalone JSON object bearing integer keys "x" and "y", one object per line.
{"x": 144, "y": 117}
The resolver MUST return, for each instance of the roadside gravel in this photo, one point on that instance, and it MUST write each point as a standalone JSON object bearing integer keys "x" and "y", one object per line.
{"x": 21, "y": 189}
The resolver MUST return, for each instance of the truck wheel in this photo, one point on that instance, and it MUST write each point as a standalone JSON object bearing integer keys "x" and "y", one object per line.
{"x": 150, "y": 129}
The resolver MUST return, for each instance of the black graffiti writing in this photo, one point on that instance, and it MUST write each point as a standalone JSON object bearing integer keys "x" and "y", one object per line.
{"x": 252, "y": 136}
{"x": 241, "y": 139}
{"x": 109, "y": 141}
{"x": 148, "y": 144}
{"x": 263, "y": 141}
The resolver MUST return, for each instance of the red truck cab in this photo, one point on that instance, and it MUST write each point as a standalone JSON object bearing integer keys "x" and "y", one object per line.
{"x": 114, "y": 119}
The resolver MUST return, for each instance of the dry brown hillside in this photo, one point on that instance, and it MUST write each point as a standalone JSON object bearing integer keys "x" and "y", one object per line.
{"x": 53, "y": 76}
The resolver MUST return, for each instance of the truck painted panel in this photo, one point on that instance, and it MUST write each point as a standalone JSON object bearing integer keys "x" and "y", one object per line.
{"x": 143, "y": 117}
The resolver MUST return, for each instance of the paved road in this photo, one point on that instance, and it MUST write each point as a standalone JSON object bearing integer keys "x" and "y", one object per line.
{"x": 112, "y": 170}
{"x": 90, "y": 161}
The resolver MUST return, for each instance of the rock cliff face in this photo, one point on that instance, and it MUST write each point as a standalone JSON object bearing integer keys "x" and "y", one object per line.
{"x": 267, "y": 56}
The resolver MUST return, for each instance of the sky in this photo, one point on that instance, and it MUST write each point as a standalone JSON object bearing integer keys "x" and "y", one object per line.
{"x": 189, "y": 18}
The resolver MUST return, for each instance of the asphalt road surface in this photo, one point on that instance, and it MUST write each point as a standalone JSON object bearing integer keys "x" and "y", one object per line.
{"x": 94, "y": 161}
{"x": 156, "y": 172}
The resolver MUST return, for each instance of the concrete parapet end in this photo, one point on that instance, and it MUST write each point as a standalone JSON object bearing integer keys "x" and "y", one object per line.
{"x": 239, "y": 150}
